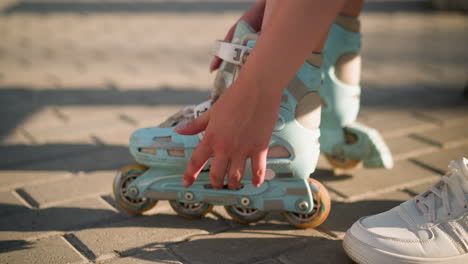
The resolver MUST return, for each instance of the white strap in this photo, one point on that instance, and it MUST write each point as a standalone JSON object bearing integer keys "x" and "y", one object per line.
{"x": 201, "y": 108}
{"x": 233, "y": 53}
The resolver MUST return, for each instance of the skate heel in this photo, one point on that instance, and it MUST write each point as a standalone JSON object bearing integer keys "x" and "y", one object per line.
{"x": 344, "y": 142}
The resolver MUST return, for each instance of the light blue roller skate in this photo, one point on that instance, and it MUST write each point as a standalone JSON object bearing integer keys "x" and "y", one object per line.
{"x": 343, "y": 141}
{"x": 163, "y": 155}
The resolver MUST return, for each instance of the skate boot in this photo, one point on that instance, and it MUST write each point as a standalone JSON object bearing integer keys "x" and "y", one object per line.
{"x": 343, "y": 141}
{"x": 163, "y": 155}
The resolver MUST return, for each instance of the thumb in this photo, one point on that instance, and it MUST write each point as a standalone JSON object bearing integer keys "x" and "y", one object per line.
{"x": 194, "y": 127}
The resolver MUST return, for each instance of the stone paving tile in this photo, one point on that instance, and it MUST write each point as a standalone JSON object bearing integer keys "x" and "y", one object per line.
{"x": 76, "y": 187}
{"x": 360, "y": 183}
{"x": 51, "y": 250}
{"x": 440, "y": 160}
{"x": 407, "y": 146}
{"x": 69, "y": 157}
{"x": 10, "y": 203}
{"x": 151, "y": 256}
{"x": 146, "y": 232}
{"x": 32, "y": 224}
{"x": 161, "y": 53}
{"x": 447, "y": 136}
{"x": 269, "y": 261}
{"x": 14, "y": 179}
{"x": 52, "y": 125}
{"x": 395, "y": 123}
{"x": 449, "y": 116}
{"x": 317, "y": 251}
{"x": 247, "y": 245}
{"x": 69, "y": 103}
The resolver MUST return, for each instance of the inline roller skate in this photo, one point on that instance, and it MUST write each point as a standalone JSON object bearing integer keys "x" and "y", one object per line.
{"x": 343, "y": 141}
{"x": 162, "y": 155}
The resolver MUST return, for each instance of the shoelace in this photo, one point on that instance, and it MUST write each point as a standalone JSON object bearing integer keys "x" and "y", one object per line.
{"x": 449, "y": 183}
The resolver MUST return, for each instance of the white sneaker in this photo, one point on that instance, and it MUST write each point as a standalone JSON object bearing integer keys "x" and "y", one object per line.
{"x": 430, "y": 228}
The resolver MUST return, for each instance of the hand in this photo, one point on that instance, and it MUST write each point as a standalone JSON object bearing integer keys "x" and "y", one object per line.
{"x": 237, "y": 127}
{"x": 253, "y": 16}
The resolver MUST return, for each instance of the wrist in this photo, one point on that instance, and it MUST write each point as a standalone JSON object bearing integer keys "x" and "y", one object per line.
{"x": 258, "y": 91}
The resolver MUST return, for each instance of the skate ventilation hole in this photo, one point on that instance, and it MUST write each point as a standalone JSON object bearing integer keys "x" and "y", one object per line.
{"x": 148, "y": 150}
{"x": 174, "y": 152}
{"x": 177, "y": 152}
{"x": 163, "y": 139}
{"x": 225, "y": 187}
{"x": 278, "y": 151}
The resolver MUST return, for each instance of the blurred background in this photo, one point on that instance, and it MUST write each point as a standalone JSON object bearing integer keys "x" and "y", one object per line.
{"x": 77, "y": 77}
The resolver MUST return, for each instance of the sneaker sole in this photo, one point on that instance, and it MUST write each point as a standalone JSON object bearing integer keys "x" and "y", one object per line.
{"x": 364, "y": 254}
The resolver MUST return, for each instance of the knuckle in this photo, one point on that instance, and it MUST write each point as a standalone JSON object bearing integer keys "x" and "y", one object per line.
{"x": 234, "y": 176}
{"x": 259, "y": 172}
{"x": 207, "y": 138}
{"x": 194, "y": 163}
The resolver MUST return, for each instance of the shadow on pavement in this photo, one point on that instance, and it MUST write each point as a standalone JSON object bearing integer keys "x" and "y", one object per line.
{"x": 17, "y": 103}
{"x": 244, "y": 248}
{"x": 68, "y": 219}
{"x": 64, "y": 157}
{"x": 13, "y": 245}
{"x": 126, "y": 7}
{"x": 185, "y": 7}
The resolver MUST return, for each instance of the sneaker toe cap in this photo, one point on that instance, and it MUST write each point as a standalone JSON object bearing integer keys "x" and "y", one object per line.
{"x": 388, "y": 232}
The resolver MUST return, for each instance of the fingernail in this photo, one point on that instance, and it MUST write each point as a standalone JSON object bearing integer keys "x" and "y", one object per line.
{"x": 181, "y": 126}
{"x": 212, "y": 65}
{"x": 186, "y": 183}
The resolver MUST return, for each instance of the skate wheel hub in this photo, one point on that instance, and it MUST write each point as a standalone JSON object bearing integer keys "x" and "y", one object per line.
{"x": 133, "y": 192}
{"x": 188, "y": 196}
{"x": 303, "y": 205}
{"x": 245, "y": 201}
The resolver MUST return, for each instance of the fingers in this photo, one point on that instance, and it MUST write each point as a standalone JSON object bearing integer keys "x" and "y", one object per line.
{"x": 215, "y": 63}
{"x": 236, "y": 171}
{"x": 217, "y": 171}
{"x": 258, "y": 167}
{"x": 230, "y": 33}
{"x": 194, "y": 127}
{"x": 221, "y": 165}
{"x": 199, "y": 158}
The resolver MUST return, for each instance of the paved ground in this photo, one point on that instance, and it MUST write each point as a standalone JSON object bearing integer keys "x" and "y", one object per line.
{"x": 77, "y": 77}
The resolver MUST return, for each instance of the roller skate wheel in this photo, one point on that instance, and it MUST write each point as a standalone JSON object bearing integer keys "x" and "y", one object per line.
{"x": 245, "y": 215}
{"x": 126, "y": 199}
{"x": 342, "y": 163}
{"x": 319, "y": 212}
{"x": 191, "y": 210}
